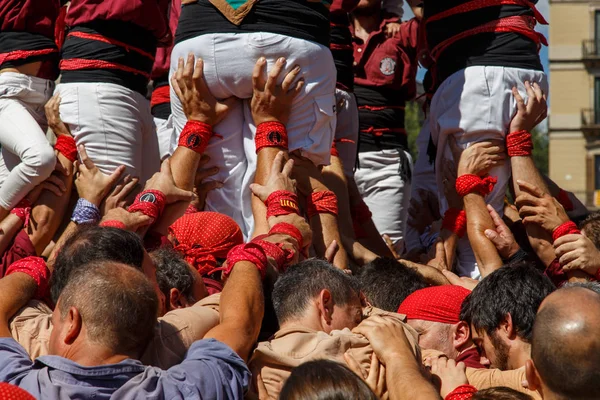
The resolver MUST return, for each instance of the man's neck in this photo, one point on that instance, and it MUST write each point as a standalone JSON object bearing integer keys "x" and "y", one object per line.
{"x": 520, "y": 352}
{"x": 306, "y": 322}
{"x": 365, "y": 22}
{"x": 91, "y": 355}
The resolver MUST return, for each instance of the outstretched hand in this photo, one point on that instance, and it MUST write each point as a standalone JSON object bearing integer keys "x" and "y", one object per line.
{"x": 163, "y": 181}
{"x": 197, "y": 101}
{"x": 91, "y": 183}
{"x": 501, "y": 236}
{"x": 479, "y": 158}
{"x": 529, "y": 115}
{"x": 279, "y": 179}
{"x": 53, "y": 116}
{"x": 537, "y": 207}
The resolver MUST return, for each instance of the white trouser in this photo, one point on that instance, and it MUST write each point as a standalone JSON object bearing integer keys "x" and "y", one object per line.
{"x": 423, "y": 178}
{"x": 115, "y": 125}
{"x": 384, "y": 179}
{"x": 476, "y": 104}
{"x": 164, "y": 132}
{"x": 27, "y": 157}
{"x": 229, "y": 60}
{"x": 347, "y": 128}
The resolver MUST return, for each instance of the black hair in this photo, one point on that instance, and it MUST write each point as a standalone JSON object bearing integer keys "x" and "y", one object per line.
{"x": 325, "y": 380}
{"x": 172, "y": 271}
{"x": 386, "y": 282}
{"x": 516, "y": 289}
{"x": 303, "y": 281}
{"x": 94, "y": 243}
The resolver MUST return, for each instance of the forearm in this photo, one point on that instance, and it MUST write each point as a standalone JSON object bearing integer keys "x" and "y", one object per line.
{"x": 265, "y": 158}
{"x": 49, "y": 210}
{"x": 479, "y": 219}
{"x": 241, "y": 310}
{"x": 450, "y": 242}
{"x": 184, "y": 164}
{"x": 9, "y": 227}
{"x": 15, "y": 291}
{"x": 325, "y": 231}
{"x": 405, "y": 381}
{"x": 59, "y": 244}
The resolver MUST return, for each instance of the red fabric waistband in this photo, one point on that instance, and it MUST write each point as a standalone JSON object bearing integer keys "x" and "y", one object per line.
{"x": 523, "y": 25}
{"x": 100, "y": 38}
{"x": 161, "y": 95}
{"x": 479, "y": 4}
{"x": 381, "y": 131}
{"x": 75, "y": 64}
{"x": 379, "y": 108}
{"x": 23, "y": 54}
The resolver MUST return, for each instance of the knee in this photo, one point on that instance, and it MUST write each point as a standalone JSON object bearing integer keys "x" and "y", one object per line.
{"x": 39, "y": 161}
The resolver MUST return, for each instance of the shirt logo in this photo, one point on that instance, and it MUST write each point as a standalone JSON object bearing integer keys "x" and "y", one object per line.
{"x": 387, "y": 66}
{"x": 148, "y": 198}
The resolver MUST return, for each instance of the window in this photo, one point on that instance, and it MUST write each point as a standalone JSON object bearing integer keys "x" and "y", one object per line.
{"x": 597, "y": 172}
{"x": 597, "y": 100}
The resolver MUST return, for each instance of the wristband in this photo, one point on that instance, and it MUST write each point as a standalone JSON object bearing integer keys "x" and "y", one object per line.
{"x": 22, "y": 210}
{"x": 568, "y": 228}
{"x": 66, "y": 146}
{"x": 282, "y": 202}
{"x": 564, "y": 200}
{"x": 149, "y": 202}
{"x": 520, "y": 255}
{"x": 85, "y": 212}
{"x": 251, "y": 252}
{"x": 195, "y": 136}
{"x": 455, "y": 220}
{"x": 321, "y": 202}
{"x": 288, "y": 229}
{"x": 271, "y": 134}
{"x": 36, "y": 268}
{"x": 470, "y": 183}
{"x": 462, "y": 392}
{"x": 191, "y": 210}
{"x": 519, "y": 144}
{"x": 281, "y": 256}
{"x": 112, "y": 223}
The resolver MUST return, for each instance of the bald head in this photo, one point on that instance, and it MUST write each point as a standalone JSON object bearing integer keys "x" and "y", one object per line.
{"x": 566, "y": 345}
{"x": 117, "y": 304}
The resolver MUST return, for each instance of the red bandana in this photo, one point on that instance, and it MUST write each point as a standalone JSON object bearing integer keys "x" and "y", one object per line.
{"x": 436, "y": 304}
{"x": 203, "y": 237}
{"x": 14, "y": 392}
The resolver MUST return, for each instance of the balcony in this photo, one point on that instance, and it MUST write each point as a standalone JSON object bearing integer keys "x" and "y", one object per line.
{"x": 590, "y": 123}
{"x": 590, "y": 51}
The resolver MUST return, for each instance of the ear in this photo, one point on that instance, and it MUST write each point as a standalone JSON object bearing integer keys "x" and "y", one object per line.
{"x": 462, "y": 335}
{"x": 508, "y": 328}
{"x": 176, "y": 300}
{"x": 326, "y": 305}
{"x": 533, "y": 378}
{"x": 74, "y": 324}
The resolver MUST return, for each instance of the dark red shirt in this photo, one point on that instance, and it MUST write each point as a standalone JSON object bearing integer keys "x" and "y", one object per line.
{"x": 150, "y": 15}
{"x": 162, "y": 61}
{"x": 471, "y": 358}
{"x": 32, "y": 16}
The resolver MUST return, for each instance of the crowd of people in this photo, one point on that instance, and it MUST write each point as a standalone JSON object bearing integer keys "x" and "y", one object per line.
{"x": 215, "y": 199}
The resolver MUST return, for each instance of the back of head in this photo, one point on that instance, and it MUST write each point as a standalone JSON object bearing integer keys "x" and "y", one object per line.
{"x": 117, "y": 304}
{"x": 517, "y": 290}
{"x": 303, "y": 281}
{"x": 566, "y": 344}
{"x": 205, "y": 238}
{"x": 387, "y": 282}
{"x": 591, "y": 228}
{"x": 500, "y": 393}
{"x": 325, "y": 380}
{"x": 172, "y": 271}
{"x": 94, "y": 243}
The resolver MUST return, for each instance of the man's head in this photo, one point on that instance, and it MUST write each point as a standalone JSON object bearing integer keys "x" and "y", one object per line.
{"x": 590, "y": 227}
{"x": 89, "y": 244}
{"x": 501, "y": 311}
{"x": 106, "y": 309}
{"x": 386, "y": 283}
{"x": 318, "y": 295}
{"x": 181, "y": 284}
{"x": 565, "y": 350}
{"x": 434, "y": 313}
{"x": 368, "y": 7}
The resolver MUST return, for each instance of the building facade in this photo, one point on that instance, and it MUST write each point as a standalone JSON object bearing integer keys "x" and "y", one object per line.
{"x": 574, "y": 124}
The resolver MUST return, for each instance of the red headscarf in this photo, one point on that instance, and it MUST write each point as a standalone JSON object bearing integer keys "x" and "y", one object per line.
{"x": 203, "y": 237}
{"x": 14, "y": 393}
{"x": 436, "y": 303}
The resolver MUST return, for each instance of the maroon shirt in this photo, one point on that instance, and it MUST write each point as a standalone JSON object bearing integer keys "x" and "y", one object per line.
{"x": 162, "y": 62}
{"x": 147, "y": 14}
{"x": 21, "y": 247}
{"x": 471, "y": 358}
{"x": 32, "y": 16}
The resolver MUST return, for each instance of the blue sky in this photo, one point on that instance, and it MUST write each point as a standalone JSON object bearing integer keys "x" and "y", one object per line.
{"x": 542, "y": 6}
